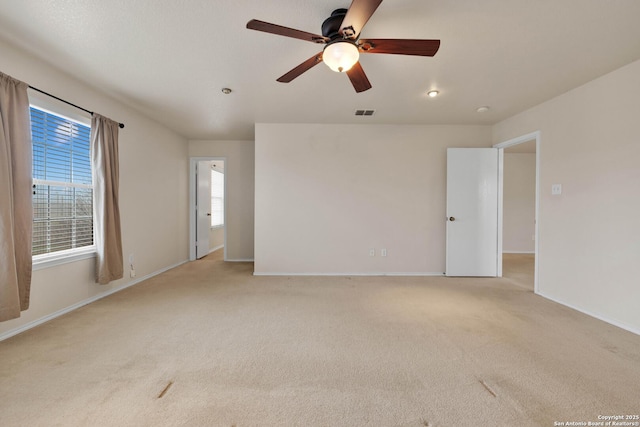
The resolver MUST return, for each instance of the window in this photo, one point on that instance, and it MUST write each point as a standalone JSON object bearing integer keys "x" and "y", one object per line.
{"x": 217, "y": 198}
{"x": 63, "y": 190}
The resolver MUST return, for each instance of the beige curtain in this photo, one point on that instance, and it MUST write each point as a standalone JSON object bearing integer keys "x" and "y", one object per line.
{"x": 16, "y": 211}
{"x": 104, "y": 157}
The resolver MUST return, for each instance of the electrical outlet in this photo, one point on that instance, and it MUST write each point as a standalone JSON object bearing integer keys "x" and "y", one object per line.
{"x": 132, "y": 271}
{"x": 372, "y": 252}
{"x": 383, "y": 252}
{"x": 556, "y": 189}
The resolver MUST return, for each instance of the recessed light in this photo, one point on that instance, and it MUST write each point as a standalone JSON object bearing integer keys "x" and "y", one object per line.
{"x": 226, "y": 90}
{"x": 482, "y": 109}
{"x": 433, "y": 93}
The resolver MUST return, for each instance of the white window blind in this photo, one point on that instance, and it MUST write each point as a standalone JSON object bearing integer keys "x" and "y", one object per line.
{"x": 63, "y": 192}
{"x": 217, "y": 198}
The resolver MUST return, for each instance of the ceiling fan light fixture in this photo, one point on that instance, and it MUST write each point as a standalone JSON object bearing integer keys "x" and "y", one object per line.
{"x": 340, "y": 55}
{"x": 433, "y": 93}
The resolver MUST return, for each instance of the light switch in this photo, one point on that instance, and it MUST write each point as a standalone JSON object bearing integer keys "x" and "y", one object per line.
{"x": 556, "y": 189}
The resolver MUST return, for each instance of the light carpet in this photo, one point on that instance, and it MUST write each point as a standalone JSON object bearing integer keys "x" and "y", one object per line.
{"x": 519, "y": 268}
{"x": 209, "y": 344}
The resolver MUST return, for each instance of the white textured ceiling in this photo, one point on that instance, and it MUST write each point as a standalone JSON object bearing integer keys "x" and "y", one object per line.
{"x": 170, "y": 58}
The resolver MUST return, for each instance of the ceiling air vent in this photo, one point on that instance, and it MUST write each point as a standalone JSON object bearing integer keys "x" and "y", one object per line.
{"x": 365, "y": 112}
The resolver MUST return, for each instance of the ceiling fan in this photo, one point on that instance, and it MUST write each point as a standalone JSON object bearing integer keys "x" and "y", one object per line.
{"x": 340, "y": 35}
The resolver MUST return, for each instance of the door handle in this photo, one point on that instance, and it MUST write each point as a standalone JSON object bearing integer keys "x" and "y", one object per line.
{"x": 451, "y": 218}
{"x": 208, "y": 214}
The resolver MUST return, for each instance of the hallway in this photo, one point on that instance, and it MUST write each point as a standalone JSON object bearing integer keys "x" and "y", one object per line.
{"x": 519, "y": 268}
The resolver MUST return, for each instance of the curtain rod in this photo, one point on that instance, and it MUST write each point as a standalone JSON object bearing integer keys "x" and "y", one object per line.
{"x": 121, "y": 125}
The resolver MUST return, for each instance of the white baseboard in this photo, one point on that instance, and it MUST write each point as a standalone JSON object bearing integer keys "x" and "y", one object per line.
{"x": 519, "y": 252}
{"x": 240, "y": 260}
{"x": 40, "y": 321}
{"x": 597, "y": 316}
{"x": 257, "y": 273}
{"x": 216, "y": 248}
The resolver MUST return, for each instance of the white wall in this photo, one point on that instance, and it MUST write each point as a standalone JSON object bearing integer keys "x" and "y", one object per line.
{"x": 216, "y": 237}
{"x": 326, "y": 194}
{"x": 519, "y": 202}
{"x": 589, "y": 248}
{"x": 153, "y": 194}
{"x": 239, "y": 174}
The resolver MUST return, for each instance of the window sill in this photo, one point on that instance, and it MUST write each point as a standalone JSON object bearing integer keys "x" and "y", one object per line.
{"x": 217, "y": 226}
{"x": 62, "y": 257}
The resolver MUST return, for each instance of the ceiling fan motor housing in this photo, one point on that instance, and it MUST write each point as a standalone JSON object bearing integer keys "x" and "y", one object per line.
{"x": 331, "y": 25}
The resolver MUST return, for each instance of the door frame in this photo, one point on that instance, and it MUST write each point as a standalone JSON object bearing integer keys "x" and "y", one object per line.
{"x": 501, "y": 146}
{"x": 193, "y": 162}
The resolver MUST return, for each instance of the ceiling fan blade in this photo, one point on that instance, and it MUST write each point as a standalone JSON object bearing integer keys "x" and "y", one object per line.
{"x": 305, "y": 66}
{"x": 400, "y": 46}
{"x": 358, "y": 78}
{"x": 357, "y": 16}
{"x": 266, "y": 27}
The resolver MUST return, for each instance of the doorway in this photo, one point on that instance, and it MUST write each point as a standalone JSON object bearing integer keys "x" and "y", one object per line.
{"x": 205, "y": 207}
{"x": 519, "y": 207}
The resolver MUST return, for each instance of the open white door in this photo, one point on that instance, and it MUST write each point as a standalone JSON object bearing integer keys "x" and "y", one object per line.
{"x": 203, "y": 208}
{"x": 472, "y": 212}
